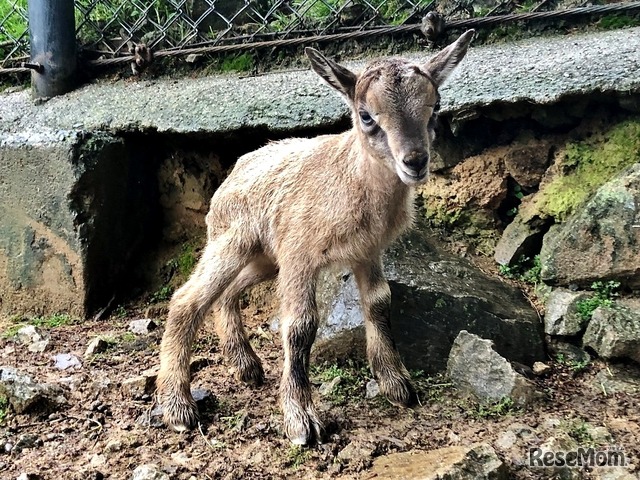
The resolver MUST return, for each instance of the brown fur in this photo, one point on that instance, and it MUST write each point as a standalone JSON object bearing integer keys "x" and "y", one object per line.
{"x": 296, "y": 206}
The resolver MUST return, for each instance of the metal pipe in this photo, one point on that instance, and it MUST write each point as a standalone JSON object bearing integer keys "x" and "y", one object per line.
{"x": 53, "y": 47}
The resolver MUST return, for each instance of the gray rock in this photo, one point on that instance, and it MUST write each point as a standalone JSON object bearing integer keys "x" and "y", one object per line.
{"x": 475, "y": 368}
{"x": 477, "y": 462}
{"x": 36, "y": 340}
{"x": 601, "y": 234}
{"x": 372, "y": 389}
{"x": 142, "y": 326}
{"x": 64, "y": 361}
{"x": 149, "y": 471}
{"x": 97, "y": 345}
{"x": 561, "y": 315}
{"x": 518, "y": 239}
{"x": 357, "y": 450}
{"x": 614, "y": 332}
{"x": 435, "y": 295}
{"x": 29, "y": 476}
{"x": 567, "y": 352}
{"x": 138, "y": 386}
{"x": 327, "y": 388}
{"x": 617, "y": 379}
{"x": 540, "y": 368}
{"x": 25, "y": 395}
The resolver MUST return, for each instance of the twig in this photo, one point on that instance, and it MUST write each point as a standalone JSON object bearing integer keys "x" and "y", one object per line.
{"x": 206, "y": 440}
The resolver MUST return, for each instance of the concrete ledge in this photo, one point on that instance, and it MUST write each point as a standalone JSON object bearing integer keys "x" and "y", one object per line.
{"x": 68, "y": 183}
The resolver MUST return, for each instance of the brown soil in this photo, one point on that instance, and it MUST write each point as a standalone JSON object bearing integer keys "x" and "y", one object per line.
{"x": 240, "y": 434}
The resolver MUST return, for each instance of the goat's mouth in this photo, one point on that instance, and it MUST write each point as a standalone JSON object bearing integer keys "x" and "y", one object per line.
{"x": 410, "y": 177}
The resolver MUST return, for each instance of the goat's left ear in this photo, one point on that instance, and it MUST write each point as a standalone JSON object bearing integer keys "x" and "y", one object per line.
{"x": 339, "y": 77}
{"x": 441, "y": 65}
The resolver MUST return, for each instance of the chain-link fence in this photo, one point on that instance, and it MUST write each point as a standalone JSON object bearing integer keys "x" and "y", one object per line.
{"x": 105, "y": 27}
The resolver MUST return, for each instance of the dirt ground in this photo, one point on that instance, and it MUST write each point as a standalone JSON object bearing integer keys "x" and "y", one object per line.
{"x": 99, "y": 434}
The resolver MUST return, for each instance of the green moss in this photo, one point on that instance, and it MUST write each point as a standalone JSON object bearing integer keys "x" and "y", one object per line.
{"x": 587, "y": 166}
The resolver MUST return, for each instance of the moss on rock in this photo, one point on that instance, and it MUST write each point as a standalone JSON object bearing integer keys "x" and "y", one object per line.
{"x": 582, "y": 167}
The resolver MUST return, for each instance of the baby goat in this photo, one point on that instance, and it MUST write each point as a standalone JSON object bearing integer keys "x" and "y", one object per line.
{"x": 293, "y": 207}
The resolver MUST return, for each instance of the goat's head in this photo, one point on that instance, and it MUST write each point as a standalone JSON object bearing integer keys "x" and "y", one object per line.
{"x": 394, "y": 104}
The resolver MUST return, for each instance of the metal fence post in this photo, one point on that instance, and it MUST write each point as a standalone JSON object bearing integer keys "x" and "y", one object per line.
{"x": 53, "y": 47}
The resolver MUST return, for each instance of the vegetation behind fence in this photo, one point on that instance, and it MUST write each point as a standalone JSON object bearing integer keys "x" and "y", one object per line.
{"x": 104, "y": 28}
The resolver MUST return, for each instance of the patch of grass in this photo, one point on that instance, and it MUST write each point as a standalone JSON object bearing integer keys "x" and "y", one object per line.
{"x": 14, "y": 24}
{"x": 46, "y": 321}
{"x": 526, "y": 270}
{"x": 497, "y": 409}
{"x": 430, "y": 388}
{"x": 185, "y": 262}
{"x": 297, "y": 455}
{"x": 617, "y": 20}
{"x": 243, "y": 62}
{"x": 579, "y": 431}
{"x": 586, "y": 166}
{"x": 353, "y": 378}
{"x": 163, "y": 294}
{"x": 604, "y": 294}
{"x": 4, "y": 409}
{"x": 120, "y": 312}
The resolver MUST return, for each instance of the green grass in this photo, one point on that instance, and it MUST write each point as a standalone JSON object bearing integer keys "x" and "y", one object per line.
{"x": 243, "y": 62}
{"x": 352, "y": 384}
{"x": 617, "y": 20}
{"x": 526, "y": 270}
{"x": 297, "y": 455}
{"x": 46, "y": 321}
{"x": 13, "y": 24}
{"x": 603, "y": 296}
{"x": 497, "y": 409}
{"x": 576, "y": 366}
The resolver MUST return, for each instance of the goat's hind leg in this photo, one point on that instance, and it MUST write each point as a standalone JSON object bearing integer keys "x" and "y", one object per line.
{"x": 384, "y": 359}
{"x": 233, "y": 340}
{"x": 222, "y": 260}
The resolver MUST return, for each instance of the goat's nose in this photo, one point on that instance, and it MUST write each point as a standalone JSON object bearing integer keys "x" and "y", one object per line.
{"x": 416, "y": 161}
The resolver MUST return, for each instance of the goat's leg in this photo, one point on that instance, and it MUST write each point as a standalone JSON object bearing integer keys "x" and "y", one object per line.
{"x": 384, "y": 360}
{"x": 233, "y": 339}
{"x": 221, "y": 261}
{"x": 299, "y": 324}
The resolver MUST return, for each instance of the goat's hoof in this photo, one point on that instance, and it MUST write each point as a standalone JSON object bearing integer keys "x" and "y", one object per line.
{"x": 180, "y": 415}
{"x": 303, "y": 426}
{"x": 399, "y": 392}
{"x": 250, "y": 372}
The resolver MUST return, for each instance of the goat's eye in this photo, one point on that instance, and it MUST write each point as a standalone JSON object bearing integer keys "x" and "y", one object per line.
{"x": 366, "y": 119}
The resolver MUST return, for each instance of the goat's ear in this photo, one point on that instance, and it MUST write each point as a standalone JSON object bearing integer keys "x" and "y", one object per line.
{"x": 339, "y": 77}
{"x": 441, "y": 65}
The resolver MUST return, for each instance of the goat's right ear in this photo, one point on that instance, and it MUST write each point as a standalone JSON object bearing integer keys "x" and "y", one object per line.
{"x": 339, "y": 77}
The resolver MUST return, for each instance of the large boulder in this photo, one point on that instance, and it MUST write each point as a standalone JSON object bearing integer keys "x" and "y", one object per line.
{"x": 435, "y": 295}
{"x": 614, "y": 332}
{"x": 561, "y": 312}
{"x": 600, "y": 241}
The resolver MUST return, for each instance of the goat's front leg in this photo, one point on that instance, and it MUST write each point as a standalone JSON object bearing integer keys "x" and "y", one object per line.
{"x": 299, "y": 324}
{"x": 384, "y": 359}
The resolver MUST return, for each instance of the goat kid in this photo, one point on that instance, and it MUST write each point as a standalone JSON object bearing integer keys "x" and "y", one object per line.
{"x": 296, "y": 206}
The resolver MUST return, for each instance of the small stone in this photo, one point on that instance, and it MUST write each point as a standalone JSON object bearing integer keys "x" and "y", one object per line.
{"x": 28, "y": 440}
{"x": 193, "y": 58}
{"x": 151, "y": 418}
{"x": 29, "y": 476}
{"x": 64, "y": 361}
{"x": 97, "y": 345}
{"x": 327, "y": 388}
{"x": 97, "y": 460}
{"x": 356, "y": 451}
{"x": 143, "y": 326}
{"x": 200, "y": 394}
{"x": 540, "y": 368}
{"x": 506, "y": 441}
{"x": 8, "y": 447}
{"x": 136, "y": 387}
{"x": 149, "y": 472}
{"x": 113, "y": 446}
{"x": 373, "y": 389}
{"x": 36, "y": 341}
